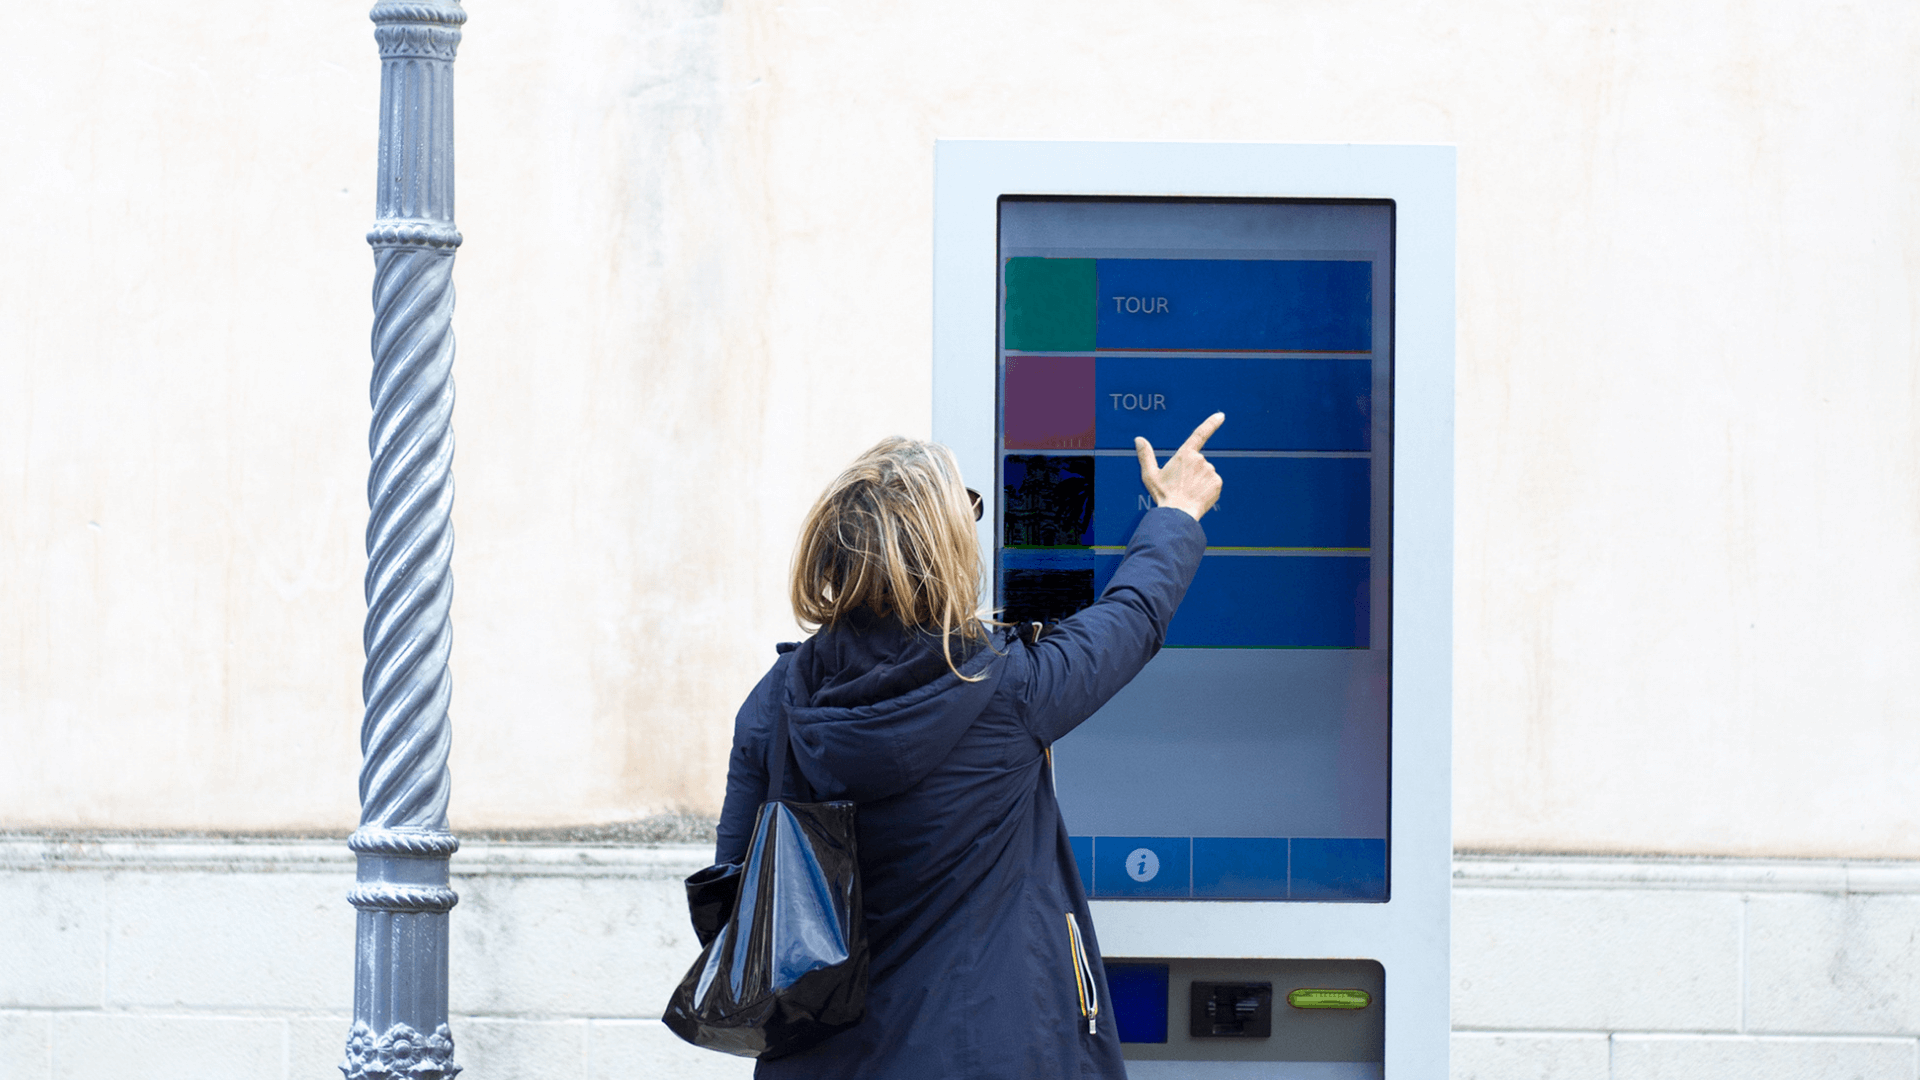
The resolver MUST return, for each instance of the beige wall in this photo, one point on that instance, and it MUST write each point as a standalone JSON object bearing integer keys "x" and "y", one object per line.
{"x": 696, "y": 281}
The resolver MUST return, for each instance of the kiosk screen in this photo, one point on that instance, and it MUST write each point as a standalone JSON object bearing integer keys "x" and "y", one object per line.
{"x": 1249, "y": 759}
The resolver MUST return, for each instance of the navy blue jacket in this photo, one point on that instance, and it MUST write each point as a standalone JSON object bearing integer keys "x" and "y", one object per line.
{"x": 983, "y": 952}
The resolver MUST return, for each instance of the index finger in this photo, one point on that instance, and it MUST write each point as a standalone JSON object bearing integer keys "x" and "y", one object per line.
{"x": 1143, "y": 450}
{"x": 1204, "y": 432}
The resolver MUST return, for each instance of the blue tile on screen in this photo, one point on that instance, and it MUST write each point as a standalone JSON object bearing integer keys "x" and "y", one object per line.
{"x": 1142, "y": 867}
{"x": 1239, "y": 868}
{"x": 1325, "y": 869}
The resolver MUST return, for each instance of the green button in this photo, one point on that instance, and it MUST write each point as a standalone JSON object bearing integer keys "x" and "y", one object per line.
{"x": 1329, "y": 999}
{"x": 1051, "y": 305}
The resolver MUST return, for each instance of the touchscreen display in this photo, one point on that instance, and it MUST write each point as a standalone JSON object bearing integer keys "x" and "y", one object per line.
{"x": 1249, "y": 760}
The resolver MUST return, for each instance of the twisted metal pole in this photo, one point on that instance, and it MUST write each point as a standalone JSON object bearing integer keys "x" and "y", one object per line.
{"x": 401, "y": 894}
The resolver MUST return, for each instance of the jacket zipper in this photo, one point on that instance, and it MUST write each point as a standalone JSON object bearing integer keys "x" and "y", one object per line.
{"x": 1083, "y": 983}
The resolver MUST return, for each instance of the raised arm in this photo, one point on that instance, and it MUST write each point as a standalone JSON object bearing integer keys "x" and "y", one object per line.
{"x": 1085, "y": 660}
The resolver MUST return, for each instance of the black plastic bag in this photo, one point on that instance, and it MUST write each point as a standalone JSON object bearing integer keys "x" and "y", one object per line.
{"x": 711, "y": 894}
{"x": 784, "y": 957}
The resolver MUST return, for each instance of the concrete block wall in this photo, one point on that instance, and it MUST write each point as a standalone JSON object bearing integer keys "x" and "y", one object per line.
{"x": 210, "y": 960}
{"x": 233, "y": 958}
{"x": 1649, "y": 969}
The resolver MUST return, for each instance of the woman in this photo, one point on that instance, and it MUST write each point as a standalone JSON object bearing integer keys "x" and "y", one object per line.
{"x": 937, "y": 723}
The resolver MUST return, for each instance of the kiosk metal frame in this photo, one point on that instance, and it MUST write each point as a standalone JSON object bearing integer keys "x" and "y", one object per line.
{"x": 1408, "y": 934}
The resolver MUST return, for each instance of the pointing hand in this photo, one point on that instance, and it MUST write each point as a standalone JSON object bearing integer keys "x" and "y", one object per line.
{"x": 1187, "y": 481}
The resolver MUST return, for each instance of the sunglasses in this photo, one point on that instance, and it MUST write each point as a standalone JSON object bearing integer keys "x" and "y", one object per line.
{"x": 979, "y": 504}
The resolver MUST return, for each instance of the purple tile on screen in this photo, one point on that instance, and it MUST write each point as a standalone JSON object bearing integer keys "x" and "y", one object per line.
{"x": 1049, "y": 403}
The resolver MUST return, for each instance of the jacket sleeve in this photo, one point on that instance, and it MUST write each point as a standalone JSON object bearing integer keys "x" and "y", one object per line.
{"x": 1085, "y": 660}
{"x": 747, "y": 765}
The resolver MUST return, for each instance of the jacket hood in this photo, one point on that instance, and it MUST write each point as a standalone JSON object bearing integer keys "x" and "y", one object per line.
{"x": 872, "y": 706}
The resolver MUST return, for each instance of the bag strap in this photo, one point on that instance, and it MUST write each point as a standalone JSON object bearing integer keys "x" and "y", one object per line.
{"x": 777, "y": 766}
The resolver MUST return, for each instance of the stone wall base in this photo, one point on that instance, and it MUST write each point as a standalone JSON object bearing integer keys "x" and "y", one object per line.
{"x": 210, "y": 959}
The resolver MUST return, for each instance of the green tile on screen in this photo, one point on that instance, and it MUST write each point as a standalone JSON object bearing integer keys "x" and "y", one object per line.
{"x": 1051, "y": 304}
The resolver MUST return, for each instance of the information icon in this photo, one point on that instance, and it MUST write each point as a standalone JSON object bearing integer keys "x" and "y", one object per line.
{"x": 1142, "y": 864}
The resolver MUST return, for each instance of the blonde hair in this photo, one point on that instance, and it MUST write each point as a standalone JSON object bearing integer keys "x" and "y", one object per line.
{"x": 893, "y": 533}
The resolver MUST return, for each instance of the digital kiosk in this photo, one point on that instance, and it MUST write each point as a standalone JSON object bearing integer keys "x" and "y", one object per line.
{"x": 1262, "y": 817}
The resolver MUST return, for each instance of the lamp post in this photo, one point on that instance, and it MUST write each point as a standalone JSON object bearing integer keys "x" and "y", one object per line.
{"x": 401, "y": 893}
